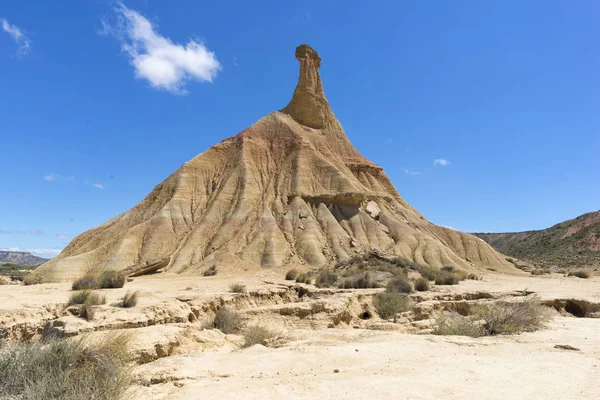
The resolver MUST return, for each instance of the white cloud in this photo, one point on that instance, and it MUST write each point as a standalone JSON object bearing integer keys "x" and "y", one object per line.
{"x": 36, "y": 252}
{"x": 18, "y": 232}
{"x": 63, "y": 237}
{"x": 441, "y": 162}
{"x": 54, "y": 177}
{"x": 156, "y": 58}
{"x": 18, "y": 36}
{"x": 98, "y": 185}
{"x": 408, "y": 172}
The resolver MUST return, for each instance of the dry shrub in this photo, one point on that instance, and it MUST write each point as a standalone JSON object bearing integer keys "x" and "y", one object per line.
{"x": 446, "y": 278}
{"x": 130, "y": 299}
{"x": 33, "y": 278}
{"x": 87, "y": 310}
{"x": 79, "y": 297}
{"x": 390, "y": 304}
{"x": 502, "y": 317}
{"x": 257, "y": 335}
{"x": 452, "y": 323}
{"x": 399, "y": 285}
{"x": 304, "y": 278}
{"x": 88, "y": 281}
{"x": 326, "y": 278}
{"x": 580, "y": 273}
{"x": 363, "y": 281}
{"x": 111, "y": 279}
{"x": 422, "y": 285}
{"x": 237, "y": 288}
{"x": 212, "y": 271}
{"x": 227, "y": 321}
{"x": 69, "y": 369}
{"x": 541, "y": 271}
{"x": 104, "y": 280}
{"x": 291, "y": 275}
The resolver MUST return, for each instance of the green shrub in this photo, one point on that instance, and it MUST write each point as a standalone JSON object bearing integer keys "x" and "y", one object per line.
{"x": 227, "y": 321}
{"x": 422, "y": 285}
{"x": 212, "y": 271}
{"x": 399, "y": 285}
{"x": 291, "y": 275}
{"x": 304, "y": 278}
{"x": 256, "y": 335}
{"x": 390, "y": 304}
{"x": 580, "y": 273}
{"x": 130, "y": 299}
{"x": 237, "y": 288}
{"x": 326, "y": 279}
{"x": 69, "y": 369}
{"x": 111, "y": 279}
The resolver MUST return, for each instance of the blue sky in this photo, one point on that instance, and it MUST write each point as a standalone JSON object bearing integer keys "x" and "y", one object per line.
{"x": 99, "y": 102}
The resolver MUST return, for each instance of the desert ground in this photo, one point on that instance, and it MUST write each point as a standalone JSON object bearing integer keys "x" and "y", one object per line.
{"x": 328, "y": 342}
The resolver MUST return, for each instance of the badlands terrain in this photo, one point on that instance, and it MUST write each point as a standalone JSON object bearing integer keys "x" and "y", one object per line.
{"x": 328, "y": 343}
{"x": 191, "y": 286}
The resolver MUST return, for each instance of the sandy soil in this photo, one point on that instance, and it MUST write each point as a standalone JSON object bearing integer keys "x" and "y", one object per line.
{"x": 172, "y": 363}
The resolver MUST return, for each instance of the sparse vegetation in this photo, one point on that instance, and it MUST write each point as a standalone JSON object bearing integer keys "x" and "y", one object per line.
{"x": 422, "y": 285}
{"x": 446, "y": 278}
{"x": 33, "y": 279}
{"x": 326, "y": 278}
{"x": 541, "y": 271}
{"x": 502, "y": 317}
{"x": 257, "y": 335}
{"x": 111, "y": 279}
{"x": 69, "y": 369}
{"x": 87, "y": 299}
{"x": 130, "y": 299}
{"x": 212, "y": 271}
{"x": 304, "y": 278}
{"x": 363, "y": 281}
{"x": 237, "y": 288}
{"x": 226, "y": 320}
{"x": 580, "y": 273}
{"x": 399, "y": 285}
{"x": 390, "y": 304}
{"x": 14, "y": 270}
{"x": 291, "y": 275}
{"x": 79, "y": 297}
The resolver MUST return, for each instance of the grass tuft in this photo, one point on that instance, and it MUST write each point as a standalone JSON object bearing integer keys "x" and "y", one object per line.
{"x": 304, "y": 278}
{"x": 130, "y": 299}
{"x": 326, "y": 278}
{"x": 226, "y": 320}
{"x": 422, "y": 285}
{"x": 399, "y": 285}
{"x": 237, "y": 288}
{"x": 69, "y": 369}
{"x": 257, "y": 335}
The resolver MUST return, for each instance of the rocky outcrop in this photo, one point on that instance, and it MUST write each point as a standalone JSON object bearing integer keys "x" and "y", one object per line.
{"x": 22, "y": 258}
{"x": 289, "y": 190}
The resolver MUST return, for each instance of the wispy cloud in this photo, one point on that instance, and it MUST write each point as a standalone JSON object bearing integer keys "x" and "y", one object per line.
{"x": 54, "y": 177}
{"x": 63, "y": 237}
{"x": 98, "y": 185}
{"x": 441, "y": 162}
{"x": 408, "y": 172}
{"x": 18, "y": 36}
{"x": 34, "y": 232}
{"x": 47, "y": 253}
{"x": 155, "y": 58}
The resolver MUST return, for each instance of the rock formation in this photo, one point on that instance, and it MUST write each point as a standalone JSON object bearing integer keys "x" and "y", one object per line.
{"x": 289, "y": 190}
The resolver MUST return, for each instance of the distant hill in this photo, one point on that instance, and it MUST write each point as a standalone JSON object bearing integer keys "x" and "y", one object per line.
{"x": 21, "y": 258}
{"x": 573, "y": 243}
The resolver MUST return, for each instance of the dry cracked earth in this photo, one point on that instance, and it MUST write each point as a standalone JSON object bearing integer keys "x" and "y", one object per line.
{"x": 328, "y": 343}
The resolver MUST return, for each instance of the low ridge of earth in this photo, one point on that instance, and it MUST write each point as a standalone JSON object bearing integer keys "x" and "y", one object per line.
{"x": 290, "y": 190}
{"x": 21, "y": 258}
{"x": 572, "y": 243}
